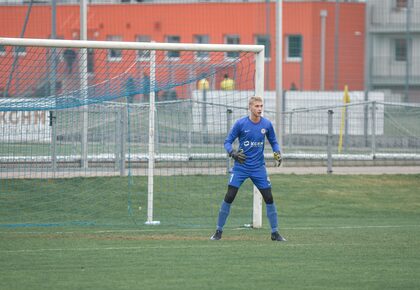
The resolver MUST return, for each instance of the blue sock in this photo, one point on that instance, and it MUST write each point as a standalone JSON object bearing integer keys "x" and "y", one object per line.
{"x": 223, "y": 214}
{"x": 272, "y": 216}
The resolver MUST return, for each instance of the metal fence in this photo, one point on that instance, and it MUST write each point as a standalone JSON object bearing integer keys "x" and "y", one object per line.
{"x": 369, "y": 132}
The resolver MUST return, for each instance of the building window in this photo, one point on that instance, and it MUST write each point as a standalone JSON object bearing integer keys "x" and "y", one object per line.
{"x": 203, "y": 39}
{"x": 232, "y": 39}
{"x": 2, "y": 50}
{"x": 401, "y": 49}
{"x": 399, "y": 4}
{"x": 294, "y": 47}
{"x": 114, "y": 54}
{"x": 143, "y": 55}
{"x": 19, "y": 50}
{"x": 264, "y": 39}
{"x": 173, "y": 54}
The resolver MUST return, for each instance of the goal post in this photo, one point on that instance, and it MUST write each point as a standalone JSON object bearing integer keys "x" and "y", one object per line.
{"x": 259, "y": 91}
{"x": 151, "y": 161}
{"x": 86, "y": 93}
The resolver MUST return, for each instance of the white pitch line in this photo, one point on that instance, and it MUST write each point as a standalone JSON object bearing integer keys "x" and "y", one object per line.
{"x": 352, "y": 227}
{"x": 210, "y": 229}
{"x": 115, "y": 248}
{"x": 217, "y": 245}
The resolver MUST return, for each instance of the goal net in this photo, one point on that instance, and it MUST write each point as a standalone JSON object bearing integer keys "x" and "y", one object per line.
{"x": 119, "y": 133}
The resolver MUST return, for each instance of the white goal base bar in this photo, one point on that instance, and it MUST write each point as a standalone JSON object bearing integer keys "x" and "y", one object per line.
{"x": 152, "y": 223}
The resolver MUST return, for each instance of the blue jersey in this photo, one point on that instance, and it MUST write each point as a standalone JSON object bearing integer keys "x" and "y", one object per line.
{"x": 251, "y": 138}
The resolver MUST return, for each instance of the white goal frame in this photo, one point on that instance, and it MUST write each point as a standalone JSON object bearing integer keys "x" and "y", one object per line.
{"x": 258, "y": 50}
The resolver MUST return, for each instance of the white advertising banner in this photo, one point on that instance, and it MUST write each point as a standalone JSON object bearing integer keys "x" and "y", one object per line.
{"x": 23, "y": 126}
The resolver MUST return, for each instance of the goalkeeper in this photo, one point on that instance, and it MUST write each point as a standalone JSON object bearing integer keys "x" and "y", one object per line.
{"x": 249, "y": 163}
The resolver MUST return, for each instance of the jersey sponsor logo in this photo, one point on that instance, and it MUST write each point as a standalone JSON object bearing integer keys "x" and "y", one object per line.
{"x": 253, "y": 144}
{"x": 246, "y": 131}
{"x": 257, "y": 144}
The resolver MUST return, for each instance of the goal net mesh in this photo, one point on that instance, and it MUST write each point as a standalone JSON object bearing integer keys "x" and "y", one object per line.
{"x": 78, "y": 155}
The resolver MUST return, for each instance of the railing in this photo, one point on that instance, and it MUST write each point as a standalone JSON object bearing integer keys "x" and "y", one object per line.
{"x": 385, "y": 18}
{"x": 387, "y": 71}
{"x": 365, "y": 131}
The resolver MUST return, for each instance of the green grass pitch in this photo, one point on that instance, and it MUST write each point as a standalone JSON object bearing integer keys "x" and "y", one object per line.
{"x": 344, "y": 232}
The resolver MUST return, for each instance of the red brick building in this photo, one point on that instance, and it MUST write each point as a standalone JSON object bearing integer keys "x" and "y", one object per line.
{"x": 210, "y": 22}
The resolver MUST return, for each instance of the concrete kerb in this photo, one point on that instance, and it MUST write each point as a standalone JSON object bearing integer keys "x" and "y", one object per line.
{"x": 370, "y": 170}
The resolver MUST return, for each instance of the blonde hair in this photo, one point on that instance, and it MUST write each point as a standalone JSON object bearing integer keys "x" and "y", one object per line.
{"x": 255, "y": 99}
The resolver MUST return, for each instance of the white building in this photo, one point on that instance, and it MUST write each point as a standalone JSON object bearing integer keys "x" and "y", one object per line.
{"x": 393, "y": 47}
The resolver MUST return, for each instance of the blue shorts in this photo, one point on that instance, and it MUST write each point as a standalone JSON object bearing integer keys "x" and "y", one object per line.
{"x": 259, "y": 177}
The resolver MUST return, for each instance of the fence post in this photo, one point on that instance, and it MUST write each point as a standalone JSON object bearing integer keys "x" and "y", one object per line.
{"x": 124, "y": 131}
{"x": 190, "y": 128}
{"x": 118, "y": 119}
{"x": 346, "y": 128}
{"x": 329, "y": 141}
{"x": 373, "y": 129}
{"x": 290, "y": 143}
{"x": 53, "y": 125}
{"x": 204, "y": 116}
{"x": 228, "y": 126}
{"x": 366, "y": 120}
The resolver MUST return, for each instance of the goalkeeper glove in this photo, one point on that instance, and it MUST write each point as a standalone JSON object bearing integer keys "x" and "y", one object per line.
{"x": 238, "y": 155}
{"x": 277, "y": 157}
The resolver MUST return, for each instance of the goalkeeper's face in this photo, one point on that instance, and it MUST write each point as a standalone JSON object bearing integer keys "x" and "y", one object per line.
{"x": 256, "y": 109}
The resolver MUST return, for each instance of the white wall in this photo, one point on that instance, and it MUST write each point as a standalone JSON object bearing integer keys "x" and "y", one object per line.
{"x": 313, "y": 122}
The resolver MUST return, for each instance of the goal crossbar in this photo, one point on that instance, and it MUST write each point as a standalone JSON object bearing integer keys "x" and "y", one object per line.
{"x": 130, "y": 45}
